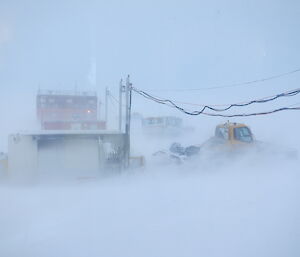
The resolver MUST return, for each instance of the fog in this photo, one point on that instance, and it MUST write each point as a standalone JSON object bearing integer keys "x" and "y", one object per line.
{"x": 205, "y": 206}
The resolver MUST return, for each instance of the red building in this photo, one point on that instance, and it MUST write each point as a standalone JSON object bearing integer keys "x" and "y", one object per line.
{"x": 64, "y": 110}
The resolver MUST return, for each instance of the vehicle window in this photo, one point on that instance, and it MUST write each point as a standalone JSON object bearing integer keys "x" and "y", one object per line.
{"x": 243, "y": 134}
{"x": 222, "y": 133}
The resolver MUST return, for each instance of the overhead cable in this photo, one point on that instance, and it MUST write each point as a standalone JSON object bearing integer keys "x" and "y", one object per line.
{"x": 263, "y": 100}
{"x": 114, "y": 98}
{"x": 245, "y": 83}
{"x": 172, "y": 104}
{"x": 253, "y": 114}
{"x": 244, "y": 103}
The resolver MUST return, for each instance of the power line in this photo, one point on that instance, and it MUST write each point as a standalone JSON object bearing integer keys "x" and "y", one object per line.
{"x": 244, "y": 103}
{"x": 253, "y": 114}
{"x": 113, "y": 104}
{"x": 245, "y": 83}
{"x": 263, "y": 100}
{"x": 114, "y": 98}
{"x": 172, "y": 104}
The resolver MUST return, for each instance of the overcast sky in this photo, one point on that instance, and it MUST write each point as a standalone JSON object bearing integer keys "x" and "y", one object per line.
{"x": 161, "y": 44}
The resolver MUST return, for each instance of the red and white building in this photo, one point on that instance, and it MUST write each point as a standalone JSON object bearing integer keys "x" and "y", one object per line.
{"x": 68, "y": 110}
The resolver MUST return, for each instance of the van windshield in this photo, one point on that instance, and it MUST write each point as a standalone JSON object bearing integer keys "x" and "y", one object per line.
{"x": 243, "y": 134}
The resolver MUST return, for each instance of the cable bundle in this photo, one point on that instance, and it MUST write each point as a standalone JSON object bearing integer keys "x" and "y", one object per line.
{"x": 172, "y": 104}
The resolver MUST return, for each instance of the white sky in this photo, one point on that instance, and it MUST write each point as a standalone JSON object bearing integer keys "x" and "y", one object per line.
{"x": 161, "y": 44}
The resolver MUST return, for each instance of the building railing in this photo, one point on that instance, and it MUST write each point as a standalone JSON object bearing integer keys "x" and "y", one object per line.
{"x": 67, "y": 92}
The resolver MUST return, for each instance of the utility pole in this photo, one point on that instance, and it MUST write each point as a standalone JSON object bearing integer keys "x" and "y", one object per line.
{"x": 106, "y": 106}
{"x": 99, "y": 107}
{"x": 121, "y": 90}
{"x": 128, "y": 118}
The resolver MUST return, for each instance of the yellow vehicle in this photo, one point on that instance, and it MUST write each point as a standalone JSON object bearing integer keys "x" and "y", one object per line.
{"x": 236, "y": 138}
{"x": 234, "y": 133}
{"x": 231, "y": 137}
{"x": 231, "y": 140}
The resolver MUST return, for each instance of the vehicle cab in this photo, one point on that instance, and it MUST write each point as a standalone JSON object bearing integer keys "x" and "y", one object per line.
{"x": 234, "y": 133}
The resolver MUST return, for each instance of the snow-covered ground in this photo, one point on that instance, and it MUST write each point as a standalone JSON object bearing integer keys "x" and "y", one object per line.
{"x": 242, "y": 209}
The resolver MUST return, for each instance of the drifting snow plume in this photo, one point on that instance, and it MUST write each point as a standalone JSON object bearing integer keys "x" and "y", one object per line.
{"x": 218, "y": 208}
